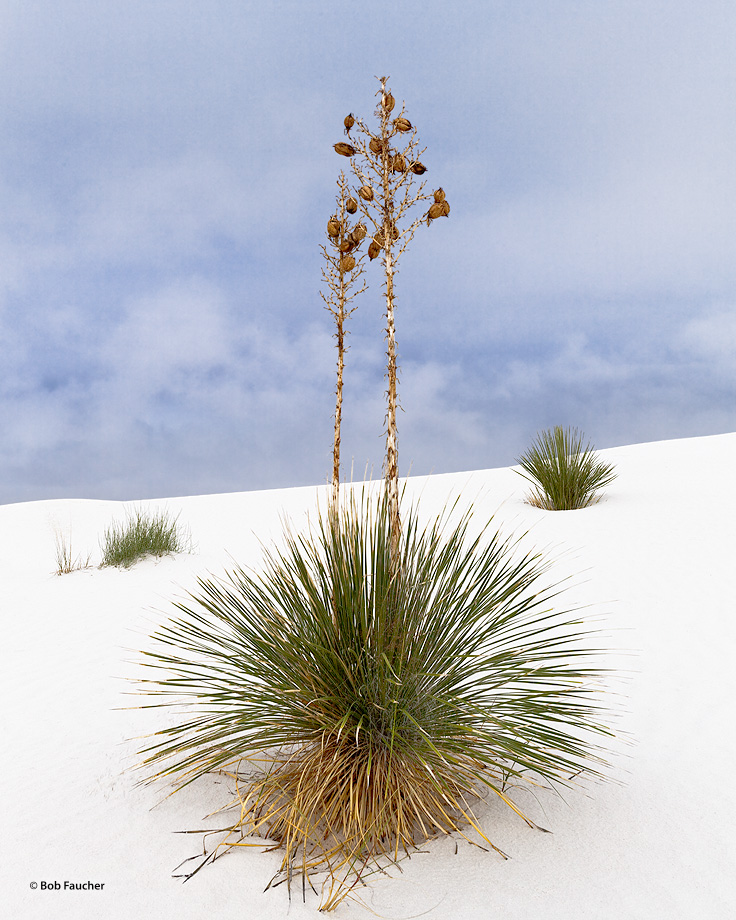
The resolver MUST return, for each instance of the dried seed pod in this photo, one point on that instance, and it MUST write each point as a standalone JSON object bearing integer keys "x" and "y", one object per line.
{"x": 345, "y": 150}
{"x": 366, "y": 192}
{"x": 333, "y": 226}
{"x": 445, "y": 205}
{"x": 349, "y": 122}
{"x": 346, "y": 245}
{"x": 398, "y": 163}
{"x": 439, "y": 194}
{"x": 358, "y": 233}
{"x": 375, "y": 146}
{"x": 373, "y": 250}
{"x": 388, "y": 102}
{"x": 434, "y": 211}
{"x": 347, "y": 263}
{"x": 351, "y": 205}
{"x": 418, "y": 168}
{"x": 378, "y": 239}
{"x": 402, "y": 124}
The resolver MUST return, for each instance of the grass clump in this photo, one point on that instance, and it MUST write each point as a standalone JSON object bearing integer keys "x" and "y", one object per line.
{"x": 143, "y": 534}
{"x": 566, "y": 473}
{"x": 66, "y": 561}
{"x": 360, "y": 712}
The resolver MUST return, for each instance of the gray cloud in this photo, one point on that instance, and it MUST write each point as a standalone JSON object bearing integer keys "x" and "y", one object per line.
{"x": 165, "y": 176}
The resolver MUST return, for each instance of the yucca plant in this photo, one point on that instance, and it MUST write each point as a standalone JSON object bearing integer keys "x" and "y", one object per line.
{"x": 143, "y": 534}
{"x": 565, "y": 471}
{"x": 374, "y": 713}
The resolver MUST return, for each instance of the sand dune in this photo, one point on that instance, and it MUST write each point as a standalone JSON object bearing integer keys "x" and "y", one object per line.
{"x": 655, "y": 559}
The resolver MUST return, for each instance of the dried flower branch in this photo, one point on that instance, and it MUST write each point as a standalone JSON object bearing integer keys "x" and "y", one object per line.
{"x": 386, "y": 172}
{"x": 342, "y": 271}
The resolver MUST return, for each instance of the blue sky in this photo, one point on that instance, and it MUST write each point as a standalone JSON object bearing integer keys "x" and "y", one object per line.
{"x": 166, "y": 171}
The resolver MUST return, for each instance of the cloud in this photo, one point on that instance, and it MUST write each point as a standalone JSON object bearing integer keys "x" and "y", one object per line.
{"x": 712, "y": 338}
{"x": 165, "y": 182}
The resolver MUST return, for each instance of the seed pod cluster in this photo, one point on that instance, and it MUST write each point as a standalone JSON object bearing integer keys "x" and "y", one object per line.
{"x": 344, "y": 239}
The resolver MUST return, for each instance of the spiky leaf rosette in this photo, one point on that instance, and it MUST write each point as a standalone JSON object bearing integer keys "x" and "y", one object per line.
{"x": 565, "y": 471}
{"x": 390, "y": 704}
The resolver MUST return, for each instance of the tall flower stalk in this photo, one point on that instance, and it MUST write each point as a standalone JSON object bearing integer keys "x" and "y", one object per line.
{"x": 386, "y": 162}
{"x": 341, "y": 273}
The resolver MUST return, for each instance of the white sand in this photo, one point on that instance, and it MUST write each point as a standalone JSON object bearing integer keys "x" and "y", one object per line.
{"x": 656, "y": 556}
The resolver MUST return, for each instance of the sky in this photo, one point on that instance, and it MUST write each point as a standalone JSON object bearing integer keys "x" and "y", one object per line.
{"x": 166, "y": 173}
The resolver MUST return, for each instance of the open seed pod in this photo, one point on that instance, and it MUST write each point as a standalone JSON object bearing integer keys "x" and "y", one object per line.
{"x": 349, "y": 122}
{"x": 345, "y": 150}
{"x": 351, "y": 205}
{"x": 402, "y": 124}
{"x": 333, "y": 226}
{"x": 347, "y": 263}
{"x": 373, "y": 250}
{"x": 358, "y": 233}
{"x": 366, "y": 193}
{"x": 418, "y": 168}
{"x": 375, "y": 146}
{"x": 388, "y": 102}
{"x": 439, "y": 194}
{"x": 398, "y": 163}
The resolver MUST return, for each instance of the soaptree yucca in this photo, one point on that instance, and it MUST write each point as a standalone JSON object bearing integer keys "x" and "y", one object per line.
{"x": 376, "y": 678}
{"x": 565, "y": 471}
{"x": 350, "y": 739}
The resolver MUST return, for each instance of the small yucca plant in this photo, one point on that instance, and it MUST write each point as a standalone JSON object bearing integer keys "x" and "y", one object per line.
{"x": 374, "y": 709}
{"x": 566, "y": 472}
{"x": 142, "y": 534}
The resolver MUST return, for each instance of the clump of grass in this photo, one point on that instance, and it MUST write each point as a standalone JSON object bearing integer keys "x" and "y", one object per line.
{"x": 360, "y": 712}
{"x": 566, "y": 472}
{"x": 143, "y": 534}
{"x": 66, "y": 562}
